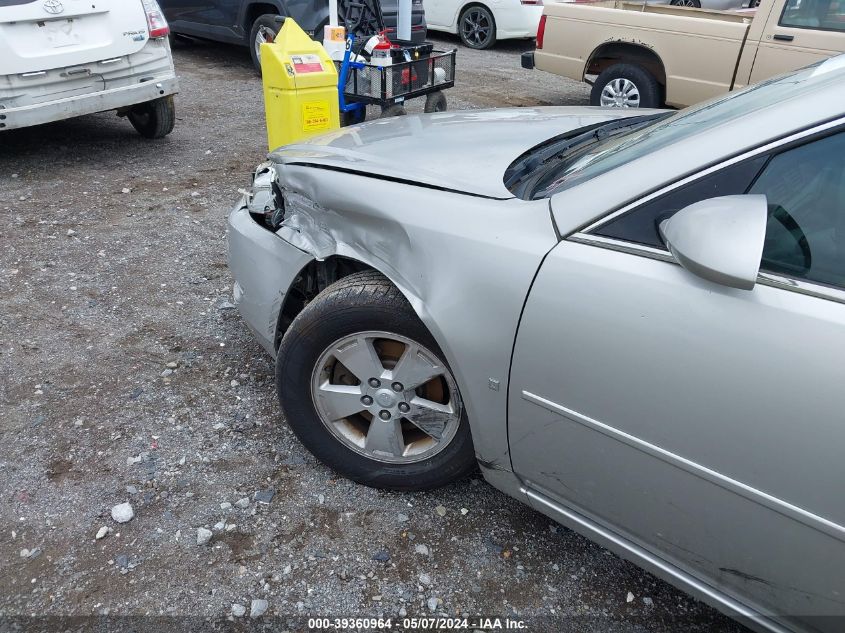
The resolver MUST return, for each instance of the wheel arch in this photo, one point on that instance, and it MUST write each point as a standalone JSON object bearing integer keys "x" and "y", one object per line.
{"x": 610, "y": 53}
{"x": 252, "y": 10}
{"x": 315, "y": 277}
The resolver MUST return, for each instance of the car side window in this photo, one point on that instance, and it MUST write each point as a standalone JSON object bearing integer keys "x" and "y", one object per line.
{"x": 825, "y": 15}
{"x": 805, "y": 190}
{"x": 640, "y": 224}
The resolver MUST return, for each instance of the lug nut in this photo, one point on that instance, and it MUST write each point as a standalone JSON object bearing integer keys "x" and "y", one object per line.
{"x": 375, "y": 383}
{"x": 384, "y": 415}
{"x": 366, "y": 401}
{"x": 403, "y": 407}
{"x": 397, "y": 386}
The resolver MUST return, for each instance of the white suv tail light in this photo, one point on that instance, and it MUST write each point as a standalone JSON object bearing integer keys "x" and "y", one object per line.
{"x": 156, "y": 22}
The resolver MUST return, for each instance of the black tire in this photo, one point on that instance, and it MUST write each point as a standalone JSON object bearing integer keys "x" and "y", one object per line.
{"x": 397, "y": 109}
{"x": 154, "y": 119}
{"x": 686, "y": 3}
{"x": 477, "y": 27}
{"x": 353, "y": 117}
{"x": 435, "y": 102}
{"x": 363, "y": 301}
{"x": 645, "y": 82}
{"x": 266, "y": 21}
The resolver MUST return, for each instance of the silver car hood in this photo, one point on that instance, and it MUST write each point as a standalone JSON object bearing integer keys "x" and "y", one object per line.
{"x": 466, "y": 151}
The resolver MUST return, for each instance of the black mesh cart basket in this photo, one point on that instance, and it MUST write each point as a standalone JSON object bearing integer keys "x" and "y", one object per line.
{"x": 427, "y": 73}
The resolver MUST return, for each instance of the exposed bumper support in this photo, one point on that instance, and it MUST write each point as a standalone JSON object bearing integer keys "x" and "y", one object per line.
{"x": 102, "y": 101}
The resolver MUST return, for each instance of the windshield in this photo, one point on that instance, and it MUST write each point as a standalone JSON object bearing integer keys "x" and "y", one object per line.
{"x": 617, "y": 150}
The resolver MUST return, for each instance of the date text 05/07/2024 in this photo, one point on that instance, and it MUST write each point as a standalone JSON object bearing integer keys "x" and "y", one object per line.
{"x": 417, "y": 624}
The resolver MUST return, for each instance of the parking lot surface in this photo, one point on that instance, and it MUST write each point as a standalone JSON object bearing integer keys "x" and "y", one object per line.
{"x": 127, "y": 376}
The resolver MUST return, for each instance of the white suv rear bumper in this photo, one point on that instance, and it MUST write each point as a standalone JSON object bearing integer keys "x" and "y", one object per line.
{"x": 101, "y": 101}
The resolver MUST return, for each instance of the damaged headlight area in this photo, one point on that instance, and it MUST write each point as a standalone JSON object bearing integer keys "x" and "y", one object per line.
{"x": 292, "y": 216}
{"x": 264, "y": 200}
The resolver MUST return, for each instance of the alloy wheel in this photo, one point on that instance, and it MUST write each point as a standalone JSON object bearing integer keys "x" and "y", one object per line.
{"x": 263, "y": 36}
{"x": 386, "y": 397}
{"x": 476, "y": 27}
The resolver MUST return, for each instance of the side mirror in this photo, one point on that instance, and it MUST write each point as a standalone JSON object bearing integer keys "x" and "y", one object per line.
{"x": 720, "y": 239}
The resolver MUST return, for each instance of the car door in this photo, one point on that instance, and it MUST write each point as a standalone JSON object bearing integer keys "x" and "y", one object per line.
{"x": 805, "y": 32}
{"x": 212, "y": 18}
{"x": 696, "y": 422}
{"x": 440, "y": 14}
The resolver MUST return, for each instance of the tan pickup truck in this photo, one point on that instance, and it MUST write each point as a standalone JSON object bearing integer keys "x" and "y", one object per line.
{"x": 643, "y": 55}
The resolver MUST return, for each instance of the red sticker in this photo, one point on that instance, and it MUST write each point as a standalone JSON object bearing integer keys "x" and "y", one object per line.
{"x": 303, "y": 64}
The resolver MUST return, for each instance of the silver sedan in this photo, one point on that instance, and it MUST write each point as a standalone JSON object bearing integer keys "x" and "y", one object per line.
{"x": 632, "y": 321}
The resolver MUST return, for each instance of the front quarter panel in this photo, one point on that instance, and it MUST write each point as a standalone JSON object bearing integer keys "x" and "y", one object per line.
{"x": 465, "y": 263}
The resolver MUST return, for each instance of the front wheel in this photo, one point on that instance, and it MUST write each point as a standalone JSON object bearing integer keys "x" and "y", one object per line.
{"x": 477, "y": 27}
{"x": 625, "y": 86}
{"x": 264, "y": 30}
{"x": 154, "y": 119}
{"x": 365, "y": 387}
{"x": 695, "y": 4}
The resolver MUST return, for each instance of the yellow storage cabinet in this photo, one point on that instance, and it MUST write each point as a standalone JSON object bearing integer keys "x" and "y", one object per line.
{"x": 300, "y": 87}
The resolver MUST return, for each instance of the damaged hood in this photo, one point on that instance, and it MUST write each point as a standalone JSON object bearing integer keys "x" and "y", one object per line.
{"x": 466, "y": 151}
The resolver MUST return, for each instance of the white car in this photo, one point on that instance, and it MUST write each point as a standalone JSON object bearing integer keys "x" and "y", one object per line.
{"x": 481, "y": 24}
{"x": 65, "y": 58}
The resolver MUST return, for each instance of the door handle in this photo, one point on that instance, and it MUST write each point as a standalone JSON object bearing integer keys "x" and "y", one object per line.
{"x": 783, "y": 38}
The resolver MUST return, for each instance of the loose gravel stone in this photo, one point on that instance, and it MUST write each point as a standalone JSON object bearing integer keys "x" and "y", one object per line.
{"x": 203, "y": 536}
{"x": 102, "y": 533}
{"x": 264, "y": 496}
{"x": 257, "y": 608}
{"x": 238, "y": 610}
{"x": 242, "y": 503}
{"x": 122, "y": 512}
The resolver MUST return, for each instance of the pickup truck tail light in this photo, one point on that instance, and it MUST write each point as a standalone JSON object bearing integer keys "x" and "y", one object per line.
{"x": 541, "y": 31}
{"x": 156, "y": 23}
{"x": 533, "y": 3}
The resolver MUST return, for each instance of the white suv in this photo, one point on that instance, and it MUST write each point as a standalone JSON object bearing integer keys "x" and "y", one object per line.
{"x": 65, "y": 58}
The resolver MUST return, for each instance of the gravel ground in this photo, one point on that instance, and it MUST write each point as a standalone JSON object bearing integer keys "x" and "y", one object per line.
{"x": 127, "y": 377}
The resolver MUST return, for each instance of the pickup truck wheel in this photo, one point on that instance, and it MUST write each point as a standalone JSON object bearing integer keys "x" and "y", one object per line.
{"x": 264, "y": 29}
{"x": 625, "y": 86}
{"x": 477, "y": 27}
{"x": 364, "y": 386}
{"x": 154, "y": 119}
